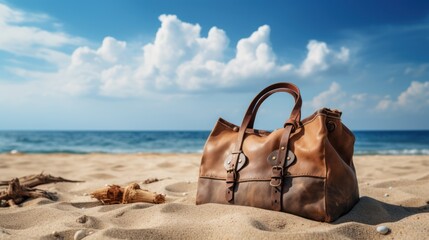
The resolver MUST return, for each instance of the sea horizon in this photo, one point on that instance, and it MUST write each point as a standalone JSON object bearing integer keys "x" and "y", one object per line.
{"x": 368, "y": 142}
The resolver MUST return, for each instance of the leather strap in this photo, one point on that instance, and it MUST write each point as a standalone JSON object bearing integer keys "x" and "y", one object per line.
{"x": 277, "y": 174}
{"x": 255, "y": 111}
{"x": 293, "y": 120}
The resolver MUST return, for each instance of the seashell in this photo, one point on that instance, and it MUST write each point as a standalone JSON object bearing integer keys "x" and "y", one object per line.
{"x": 383, "y": 230}
{"x": 386, "y": 195}
{"x": 79, "y": 235}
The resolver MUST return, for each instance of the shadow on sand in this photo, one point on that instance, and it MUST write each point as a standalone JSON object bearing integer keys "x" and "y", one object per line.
{"x": 371, "y": 211}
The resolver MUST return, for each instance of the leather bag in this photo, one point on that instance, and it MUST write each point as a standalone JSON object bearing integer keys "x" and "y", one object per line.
{"x": 305, "y": 168}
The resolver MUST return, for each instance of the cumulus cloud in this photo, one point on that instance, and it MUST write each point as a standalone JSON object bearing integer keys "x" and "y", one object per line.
{"x": 320, "y": 58}
{"x": 325, "y": 98}
{"x": 335, "y": 97}
{"x": 18, "y": 36}
{"x": 415, "y": 97}
{"x": 178, "y": 60}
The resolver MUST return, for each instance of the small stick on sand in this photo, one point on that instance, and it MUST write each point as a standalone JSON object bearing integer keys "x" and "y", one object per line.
{"x": 152, "y": 180}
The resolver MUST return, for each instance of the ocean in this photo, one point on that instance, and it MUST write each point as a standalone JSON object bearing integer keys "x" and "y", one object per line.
{"x": 367, "y": 142}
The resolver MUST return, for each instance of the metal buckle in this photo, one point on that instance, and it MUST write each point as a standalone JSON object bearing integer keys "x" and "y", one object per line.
{"x": 278, "y": 167}
{"x": 277, "y": 177}
{"x": 234, "y": 176}
{"x": 275, "y": 185}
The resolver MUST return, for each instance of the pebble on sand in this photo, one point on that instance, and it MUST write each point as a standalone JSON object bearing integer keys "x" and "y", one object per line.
{"x": 82, "y": 219}
{"x": 56, "y": 234}
{"x": 386, "y": 195}
{"x": 79, "y": 235}
{"x": 383, "y": 230}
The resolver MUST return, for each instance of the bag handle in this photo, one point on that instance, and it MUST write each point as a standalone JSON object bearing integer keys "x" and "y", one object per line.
{"x": 290, "y": 125}
{"x": 262, "y": 99}
{"x": 295, "y": 116}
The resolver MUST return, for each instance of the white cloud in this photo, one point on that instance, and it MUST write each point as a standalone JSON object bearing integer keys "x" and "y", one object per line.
{"x": 335, "y": 97}
{"x": 415, "y": 97}
{"x": 384, "y": 104}
{"x": 19, "y": 37}
{"x": 325, "y": 98}
{"x": 179, "y": 60}
{"x": 320, "y": 57}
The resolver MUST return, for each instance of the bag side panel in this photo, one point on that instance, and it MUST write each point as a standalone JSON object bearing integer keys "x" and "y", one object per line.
{"x": 342, "y": 190}
{"x": 305, "y": 197}
{"x": 219, "y": 145}
{"x": 216, "y": 149}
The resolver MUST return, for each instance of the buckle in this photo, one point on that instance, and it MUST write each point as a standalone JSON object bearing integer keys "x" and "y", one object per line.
{"x": 276, "y": 178}
{"x": 272, "y": 184}
{"x": 229, "y": 178}
{"x": 279, "y": 168}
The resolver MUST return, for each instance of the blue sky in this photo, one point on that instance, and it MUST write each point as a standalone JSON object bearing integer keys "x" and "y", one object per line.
{"x": 158, "y": 65}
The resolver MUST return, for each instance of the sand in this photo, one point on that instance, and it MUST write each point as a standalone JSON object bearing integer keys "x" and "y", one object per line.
{"x": 394, "y": 193}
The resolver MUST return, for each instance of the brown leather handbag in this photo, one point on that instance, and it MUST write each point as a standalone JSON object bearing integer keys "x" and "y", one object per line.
{"x": 305, "y": 168}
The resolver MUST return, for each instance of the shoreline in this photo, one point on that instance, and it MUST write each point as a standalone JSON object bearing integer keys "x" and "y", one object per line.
{"x": 179, "y": 153}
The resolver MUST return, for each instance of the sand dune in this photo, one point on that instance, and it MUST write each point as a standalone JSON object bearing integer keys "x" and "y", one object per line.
{"x": 394, "y": 192}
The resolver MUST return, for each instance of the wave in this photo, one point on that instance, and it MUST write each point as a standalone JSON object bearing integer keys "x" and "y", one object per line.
{"x": 116, "y": 142}
{"x": 393, "y": 152}
{"x": 53, "y": 151}
{"x": 59, "y": 151}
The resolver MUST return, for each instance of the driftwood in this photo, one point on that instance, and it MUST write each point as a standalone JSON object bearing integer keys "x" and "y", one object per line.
{"x": 38, "y": 179}
{"x": 115, "y": 194}
{"x": 21, "y": 189}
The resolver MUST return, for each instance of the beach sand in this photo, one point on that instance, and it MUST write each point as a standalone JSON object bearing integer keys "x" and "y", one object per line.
{"x": 394, "y": 192}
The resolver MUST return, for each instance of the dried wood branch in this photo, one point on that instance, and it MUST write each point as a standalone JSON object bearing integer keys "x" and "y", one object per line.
{"x": 20, "y": 189}
{"x": 115, "y": 194}
{"x": 38, "y": 179}
{"x": 16, "y": 194}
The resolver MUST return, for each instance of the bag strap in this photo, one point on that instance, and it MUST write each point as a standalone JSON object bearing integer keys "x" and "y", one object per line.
{"x": 262, "y": 99}
{"x": 290, "y": 125}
